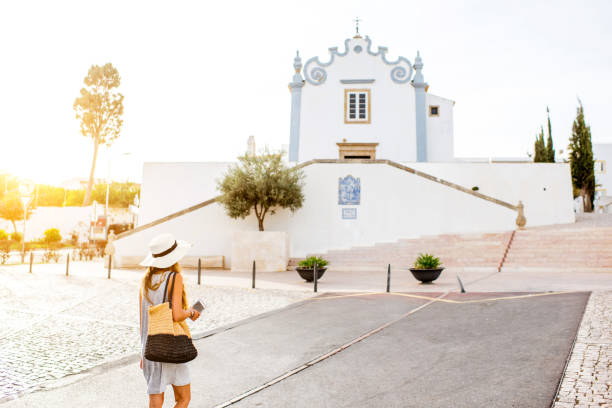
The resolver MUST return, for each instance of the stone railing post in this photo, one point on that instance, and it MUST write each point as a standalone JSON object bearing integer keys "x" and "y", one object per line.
{"x": 521, "y": 221}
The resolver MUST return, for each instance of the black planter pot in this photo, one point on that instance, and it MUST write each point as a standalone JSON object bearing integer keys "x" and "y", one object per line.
{"x": 308, "y": 273}
{"x": 426, "y": 275}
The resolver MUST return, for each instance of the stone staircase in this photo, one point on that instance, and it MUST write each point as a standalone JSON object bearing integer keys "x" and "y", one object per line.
{"x": 466, "y": 250}
{"x": 561, "y": 248}
{"x": 587, "y": 244}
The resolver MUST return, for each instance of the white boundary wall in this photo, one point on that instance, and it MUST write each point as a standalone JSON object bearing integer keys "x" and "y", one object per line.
{"x": 65, "y": 219}
{"x": 544, "y": 188}
{"x": 394, "y": 204}
{"x": 171, "y": 187}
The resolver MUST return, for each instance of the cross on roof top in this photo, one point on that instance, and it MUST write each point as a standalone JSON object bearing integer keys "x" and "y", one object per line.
{"x": 357, "y": 20}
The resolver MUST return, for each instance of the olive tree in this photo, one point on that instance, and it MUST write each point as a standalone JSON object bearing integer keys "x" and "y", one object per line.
{"x": 262, "y": 183}
{"x": 52, "y": 236}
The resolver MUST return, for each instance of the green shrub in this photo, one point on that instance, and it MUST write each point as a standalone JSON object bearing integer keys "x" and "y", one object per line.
{"x": 427, "y": 261}
{"x": 121, "y": 195}
{"x": 5, "y": 250}
{"x": 310, "y": 261}
{"x": 74, "y": 198}
{"x": 16, "y": 236}
{"x": 50, "y": 196}
{"x": 52, "y": 236}
{"x": 51, "y": 255}
{"x": 3, "y": 235}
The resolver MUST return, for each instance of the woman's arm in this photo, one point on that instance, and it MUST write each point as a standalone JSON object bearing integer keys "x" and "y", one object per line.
{"x": 140, "y": 317}
{"x": 178, "y": 314}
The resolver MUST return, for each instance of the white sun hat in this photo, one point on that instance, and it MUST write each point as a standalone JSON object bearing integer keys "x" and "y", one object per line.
{"x": 165, "y": 251}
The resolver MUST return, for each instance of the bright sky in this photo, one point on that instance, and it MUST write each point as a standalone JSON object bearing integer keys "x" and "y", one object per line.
{"x": 200, "y": 77}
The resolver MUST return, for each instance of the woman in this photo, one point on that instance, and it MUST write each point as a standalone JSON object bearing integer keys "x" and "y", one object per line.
{"x": 165, "y": 252}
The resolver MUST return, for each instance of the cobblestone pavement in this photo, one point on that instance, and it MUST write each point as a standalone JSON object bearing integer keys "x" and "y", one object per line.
{"x": 587, "y": 381}
{"x": 54, "y": 326}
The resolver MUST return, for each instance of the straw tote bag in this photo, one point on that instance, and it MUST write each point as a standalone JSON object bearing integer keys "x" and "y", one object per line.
{"x": 168, "y": 341}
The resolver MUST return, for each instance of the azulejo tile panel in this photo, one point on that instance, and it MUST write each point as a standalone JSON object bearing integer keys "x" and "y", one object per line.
{"x": 349, "y": 190}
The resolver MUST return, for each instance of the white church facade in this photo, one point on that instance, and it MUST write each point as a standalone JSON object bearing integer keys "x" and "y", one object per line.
{"x": 360, "y": 105}
{"x": 376, "y": 150}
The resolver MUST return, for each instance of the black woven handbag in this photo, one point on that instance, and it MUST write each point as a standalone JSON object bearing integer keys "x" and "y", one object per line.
{"x": 168, "y": 341}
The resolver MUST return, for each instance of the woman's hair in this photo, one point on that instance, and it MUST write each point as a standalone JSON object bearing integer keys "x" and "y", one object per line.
{"x": 146, "y": 281}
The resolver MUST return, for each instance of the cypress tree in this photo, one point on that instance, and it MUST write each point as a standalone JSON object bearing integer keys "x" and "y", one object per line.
{"x": 581, "y": 159}
{"x": 550, "y": 150}
{"x": 540, "y": 154}
{"x": 536, "y": 150}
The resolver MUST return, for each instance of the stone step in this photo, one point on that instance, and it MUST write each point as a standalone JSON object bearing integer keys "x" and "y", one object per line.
{"x": 543, "y": 247}
{"x": 514, "y": 256}
{"x": 557, "y": 260}
{"x": 410, "y": 259}
{"x": 568, "y": 242}
{"x": 423, "y": 248}
{"x": 565, "y": 251}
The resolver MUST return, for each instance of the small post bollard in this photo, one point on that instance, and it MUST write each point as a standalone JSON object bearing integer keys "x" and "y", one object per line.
{"x": 253, "y": 285}
{"x": 31, "y": 260}
{"x": 388, "y": 278}
{"x": 199, "y": 270}
{"x": 315, "y": 277}
{"x": 110, "y": 263}
{"x": 460, "y": 284}
{"x": 67, "y": 263}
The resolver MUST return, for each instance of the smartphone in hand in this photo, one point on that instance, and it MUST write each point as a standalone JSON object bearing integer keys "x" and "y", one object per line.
{"x": 198, "y": 305}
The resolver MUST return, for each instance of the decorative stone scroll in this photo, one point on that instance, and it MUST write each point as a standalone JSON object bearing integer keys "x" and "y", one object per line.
{"x": 402, "y": 73}
{"x": 315, "y": 73}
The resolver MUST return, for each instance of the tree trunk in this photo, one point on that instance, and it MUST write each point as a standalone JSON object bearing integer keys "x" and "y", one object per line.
{"x": 586, "y": 199}
{"x": 260, "y": 220}
{"x": 87, "y": 198}
{"x": 14, "y": 226}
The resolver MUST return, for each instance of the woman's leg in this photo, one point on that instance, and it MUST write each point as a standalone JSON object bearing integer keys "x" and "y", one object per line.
{"x": 156, "y": 400}
{"x": 182, "y": 395}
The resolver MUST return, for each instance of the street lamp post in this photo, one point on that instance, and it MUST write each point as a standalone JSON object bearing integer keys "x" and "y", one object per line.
{"x": 24, "y": 201}
{"x": 25, "y": 189}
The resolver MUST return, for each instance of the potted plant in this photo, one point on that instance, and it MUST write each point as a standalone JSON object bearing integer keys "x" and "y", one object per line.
{"x": 427, "y": 268}
{"x": 306, "y": 268}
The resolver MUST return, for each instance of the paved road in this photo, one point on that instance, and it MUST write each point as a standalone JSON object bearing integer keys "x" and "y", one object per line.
{"x": 53, "y": 326}
{"x": 503, "y": 353}
{"x": 472, "y": 350}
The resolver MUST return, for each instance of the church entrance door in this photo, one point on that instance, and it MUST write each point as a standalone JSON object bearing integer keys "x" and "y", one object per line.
{"x": 357, "y": 151}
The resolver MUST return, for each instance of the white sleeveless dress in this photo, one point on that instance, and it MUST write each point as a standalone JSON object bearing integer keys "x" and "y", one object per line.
{"x": 159, "y": 375}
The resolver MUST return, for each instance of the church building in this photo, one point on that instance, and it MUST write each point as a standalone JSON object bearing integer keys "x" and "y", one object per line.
{"x": 376, "y": 151}
{"x": 360, "y": 105}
